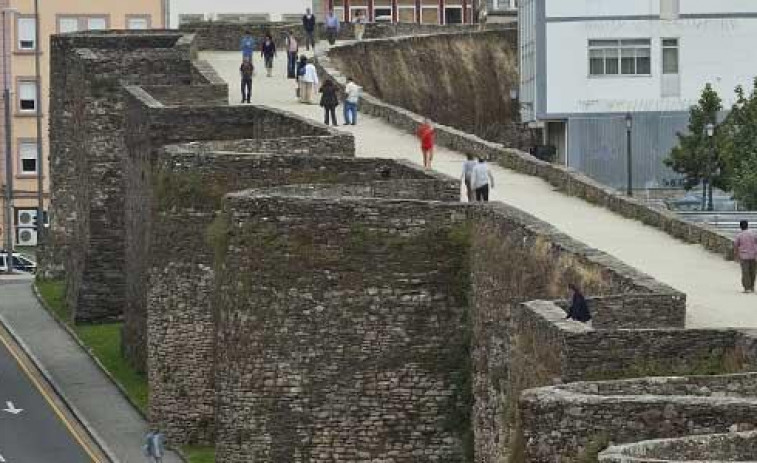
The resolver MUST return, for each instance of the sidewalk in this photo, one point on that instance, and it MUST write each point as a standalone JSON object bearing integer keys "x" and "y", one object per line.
{"x": 711, "y": 284}
{"x": 83, "y": 384}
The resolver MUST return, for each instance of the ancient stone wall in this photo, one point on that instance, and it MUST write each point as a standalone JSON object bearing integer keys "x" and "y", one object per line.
{"x": 569, "y": 420}
{"x": 516, "y": 258}
{"x": 565, "y": 351}
{"x": 86, "y": 143}
{"x": 226, "y": 36}
{"x": 564, "y": 179}
{"x": 425, "y": 74}
{"x": 344, "y": 331}
{"x": 173, "y": 199}
{"x": 716, "y": 447}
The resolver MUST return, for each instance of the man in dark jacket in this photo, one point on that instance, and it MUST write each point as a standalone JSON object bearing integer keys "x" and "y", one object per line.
{"x": 308, "y": 23}
{"x": 245, "y": 72}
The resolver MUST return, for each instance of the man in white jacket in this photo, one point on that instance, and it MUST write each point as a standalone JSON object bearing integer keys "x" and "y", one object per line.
{"x": 309, "y": 82}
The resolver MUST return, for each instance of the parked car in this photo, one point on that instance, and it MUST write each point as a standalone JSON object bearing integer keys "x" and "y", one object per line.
{"x": 20, "y": 263}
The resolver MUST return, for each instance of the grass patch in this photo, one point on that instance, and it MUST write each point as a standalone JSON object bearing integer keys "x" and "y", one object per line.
{"x": 103, "y": 340}
{"x": 54, "y": 294}
{"x": 199, "y": 454}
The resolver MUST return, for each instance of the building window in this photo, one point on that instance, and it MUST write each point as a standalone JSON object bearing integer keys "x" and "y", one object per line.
{"x": 137, "y": 22}
{"x": 669, "y": 9}
{"x": 66, "y": 25}
{"x": 28, "y": 157}
{"x": 670, "y": 56}
{"x": 26, "y": 31}
{"x": 97, "y": 23}
{"x": 620, "y": 57}
{"x": 27, "y": 96}
{"x": 453, "y": 14}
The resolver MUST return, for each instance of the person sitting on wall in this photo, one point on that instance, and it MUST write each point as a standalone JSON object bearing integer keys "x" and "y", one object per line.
{"x": 579, "y": 309}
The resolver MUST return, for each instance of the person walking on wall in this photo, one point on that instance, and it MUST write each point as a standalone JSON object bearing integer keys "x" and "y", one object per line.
{"x": 351, "y": 99}
{"x": 745, "y": 251}
{"x": 292, "y": 49}
{"x": 482, "y": 180}
{"x": 154, "y": 446}
{"x": 308, "y": 24}
{"x": 268, "y": 52}
{"x": 329, "y": 102}
{"x": 300, "y": 71}
{"x": 427, "y": 135}
{"x": 309, "y": 80}
{"x": 245, "y": 71}
{"x": 579, "y": 309}
{"x": 247, "y": 45}
{"x": 467, "y": 178}
{"x": 359, "y": 25}
{"x": 332, "y": 27}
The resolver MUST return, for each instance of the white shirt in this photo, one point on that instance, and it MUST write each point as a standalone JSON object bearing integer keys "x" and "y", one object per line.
{"x": 481, "y": 176}
{"x": 311, "y": 75}
{"x": 353, "y": 92}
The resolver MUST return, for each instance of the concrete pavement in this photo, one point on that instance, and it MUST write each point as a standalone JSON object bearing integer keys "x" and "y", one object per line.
{"x": 84, "y": 385}
{"x": 711, "y": 283}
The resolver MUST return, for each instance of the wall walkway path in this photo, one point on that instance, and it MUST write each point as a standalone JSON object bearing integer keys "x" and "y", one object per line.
{"x": 711, "y": 283}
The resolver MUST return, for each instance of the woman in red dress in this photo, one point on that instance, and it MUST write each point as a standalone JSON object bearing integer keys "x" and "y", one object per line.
{"x": 426, "y": 134}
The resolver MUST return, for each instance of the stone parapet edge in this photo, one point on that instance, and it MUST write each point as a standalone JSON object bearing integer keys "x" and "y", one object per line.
{"x": 99, "y": 365}
{"x": 566, "y": 180}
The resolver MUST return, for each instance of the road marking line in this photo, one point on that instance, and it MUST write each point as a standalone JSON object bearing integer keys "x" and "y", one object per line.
{"x": 53, "y": 404}
{"x": 12, "y": 408}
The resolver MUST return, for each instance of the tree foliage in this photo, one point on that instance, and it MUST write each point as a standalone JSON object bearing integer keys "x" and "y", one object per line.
{"x": 693, "y": 156}
{"x": 738, "y": 147}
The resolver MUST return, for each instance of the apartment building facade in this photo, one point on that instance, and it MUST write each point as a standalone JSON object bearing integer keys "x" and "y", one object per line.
{"x": 587, "y": 64}
{"x": 411, "y": 11}
{"x": 18, "y": 72}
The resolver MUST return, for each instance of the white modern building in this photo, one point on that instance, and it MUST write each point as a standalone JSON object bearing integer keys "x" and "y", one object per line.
{"x": 586, "y": 64}
{"x": 253, "y": 10}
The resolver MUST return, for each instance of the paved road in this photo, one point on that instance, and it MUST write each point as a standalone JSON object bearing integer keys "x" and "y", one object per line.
{"x": 98, "y": 402}
{"x": 34, "y": 425}
{"x": 711, "y": 283}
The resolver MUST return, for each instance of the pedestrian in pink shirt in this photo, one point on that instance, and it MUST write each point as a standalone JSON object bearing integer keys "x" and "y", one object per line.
{"x": 745, "y": 251}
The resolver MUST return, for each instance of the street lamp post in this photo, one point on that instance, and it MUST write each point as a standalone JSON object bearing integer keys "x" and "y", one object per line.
{"x": 710, "y": 130}
{"x": 8, "y": 150}
{"x": 629, "y": 154}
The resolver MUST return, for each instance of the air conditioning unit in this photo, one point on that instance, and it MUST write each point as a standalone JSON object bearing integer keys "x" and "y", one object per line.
{"x": 26, "y": 218}
{"x": 26, "y": 237}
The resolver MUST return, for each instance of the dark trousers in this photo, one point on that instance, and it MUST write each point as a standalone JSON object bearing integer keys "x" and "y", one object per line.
{"x": 748, "y": 273}
{"x": 482, "y": 194}
{"x": 331, "y": 34}
{"x": 291, "y": 64}
{"x": 268, "y": 61}
{"x": 309, "y": 40}
{"x": 246, "y": 89}
{"x": 329, "y": 111}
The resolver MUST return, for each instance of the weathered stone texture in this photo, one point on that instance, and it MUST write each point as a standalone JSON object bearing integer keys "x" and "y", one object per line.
{"x": 226, "y": 36}
{"x": 516, "y": 259}
{"x": 423, "y": 74}
{"x": 86, "y": 141}
{"x": 344, "y": 330}
{"x": 740, "y": 446}
{"x": 563, "y": 420}
{"x": 173, "y": 198}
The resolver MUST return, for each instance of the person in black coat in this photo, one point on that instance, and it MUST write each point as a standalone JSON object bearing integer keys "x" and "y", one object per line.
{"x": 579, "y": 309}
{"x": 329, "y": 101}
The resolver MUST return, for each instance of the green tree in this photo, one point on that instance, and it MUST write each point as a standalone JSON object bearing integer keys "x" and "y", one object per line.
{"x": 738, "y": 147}
{"x": 694, "y": 157}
